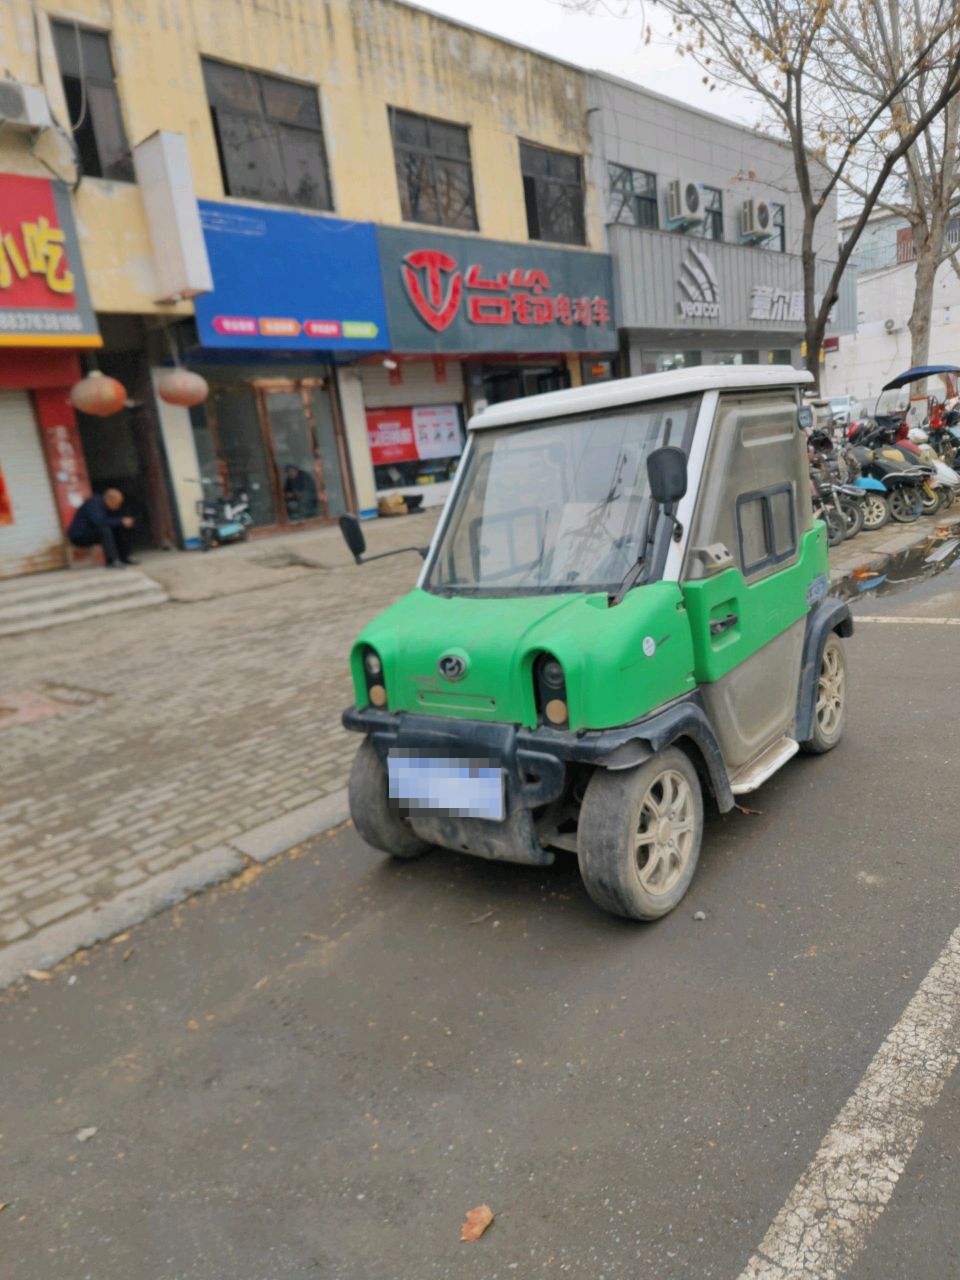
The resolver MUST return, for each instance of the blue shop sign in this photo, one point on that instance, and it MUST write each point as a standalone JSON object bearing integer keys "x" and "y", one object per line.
{"x": 290, "y": 282}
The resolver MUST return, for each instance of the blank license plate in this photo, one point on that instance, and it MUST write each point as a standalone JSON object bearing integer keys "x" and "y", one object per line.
{"x": 463, "y": 788}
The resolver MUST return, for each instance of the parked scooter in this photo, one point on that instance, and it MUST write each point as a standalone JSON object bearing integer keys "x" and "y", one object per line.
{"x": 224, "y": 518}
{"x": 902, "y": 485}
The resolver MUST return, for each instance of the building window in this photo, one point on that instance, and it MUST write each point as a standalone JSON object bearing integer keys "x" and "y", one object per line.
{"x": 712, "y": 213}
{"x": 433, "y": 171}
{"x": 90, "y": 88}
{"x": 553, "y": 191}
{"x": 777, "y": 242}
{"x": 269, "y": 136}
{"x": 633, "y": 196}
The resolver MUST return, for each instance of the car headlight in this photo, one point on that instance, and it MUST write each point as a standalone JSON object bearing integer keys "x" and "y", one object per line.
{"x": 551, "y": 690}
{"x": 373, "y": 673}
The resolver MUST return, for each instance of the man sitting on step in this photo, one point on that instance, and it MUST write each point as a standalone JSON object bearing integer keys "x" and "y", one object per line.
{"x": 98, "y": 522}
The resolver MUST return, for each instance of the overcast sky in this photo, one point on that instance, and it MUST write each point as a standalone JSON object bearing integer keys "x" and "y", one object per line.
{"x": 602, "y": 40}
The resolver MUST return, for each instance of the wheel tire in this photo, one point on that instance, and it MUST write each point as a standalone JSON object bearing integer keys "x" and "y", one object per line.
{"x": 905, "y": 505}
{"x": 836, "y": 529}
{"x": 852, "y": 513}
{"x": 632, "y": 863}
{"x": 377, "y": 821}
{"x": 946, "y": 497}
{"x": 876, "y": 510}
{"x": 830, "y": 710}
{"x": 206, "y": 539}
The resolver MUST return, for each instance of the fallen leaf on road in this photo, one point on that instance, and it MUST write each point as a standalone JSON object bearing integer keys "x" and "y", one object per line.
{"x": 262, "y": 983}
{"x": 84, "y": 1135}
{"x": 128, "y": 953}
{"x": 121, "y": 937}
{"x": 480, "y": 919}
{"x": 742, "y": 808}
{"x": 4, "y": 1204}
{"x": 476, "y": 1222}
{"x": 39, "y": 975}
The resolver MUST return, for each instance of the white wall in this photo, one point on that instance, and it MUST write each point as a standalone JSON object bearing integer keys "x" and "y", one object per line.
{"x": 177, "y": 434}
{"x": 874, "y": 355}
{"x": 355, "y": 430}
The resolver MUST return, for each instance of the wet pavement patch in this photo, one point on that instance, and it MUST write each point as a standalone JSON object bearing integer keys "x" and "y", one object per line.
{"x": 904, "y": 570}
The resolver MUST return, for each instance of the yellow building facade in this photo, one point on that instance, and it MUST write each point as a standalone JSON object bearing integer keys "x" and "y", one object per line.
{"x": 370, "y": 63}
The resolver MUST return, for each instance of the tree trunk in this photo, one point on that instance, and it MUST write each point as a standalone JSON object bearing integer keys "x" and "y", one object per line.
{"x": 813, "y": 329}
{"x": 929, "y": 249}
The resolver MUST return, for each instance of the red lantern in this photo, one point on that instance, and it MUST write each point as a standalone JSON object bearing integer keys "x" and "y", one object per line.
{"x": 98, "y": 394}
{"x": 180, "y": 386}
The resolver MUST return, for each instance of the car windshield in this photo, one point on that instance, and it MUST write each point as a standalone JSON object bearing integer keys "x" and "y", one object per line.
{"x": 559, "y": 505}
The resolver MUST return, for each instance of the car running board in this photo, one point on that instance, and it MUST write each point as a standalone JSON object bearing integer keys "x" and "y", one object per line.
{"x": 765, "y": 765}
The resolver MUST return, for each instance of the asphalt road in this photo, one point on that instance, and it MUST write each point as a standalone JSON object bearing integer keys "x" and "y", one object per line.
{"x": 316, "y": 1071}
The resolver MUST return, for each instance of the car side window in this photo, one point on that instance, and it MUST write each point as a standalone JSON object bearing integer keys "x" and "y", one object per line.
{"x": 753, "y": 498}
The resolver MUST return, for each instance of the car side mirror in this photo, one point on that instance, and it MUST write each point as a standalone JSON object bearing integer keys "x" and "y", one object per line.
{"x": 353, "y": 536}
{"x": 667, "y": 473}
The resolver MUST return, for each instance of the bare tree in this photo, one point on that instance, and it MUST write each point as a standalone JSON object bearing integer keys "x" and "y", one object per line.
{"x": 925, "y": 191}
{"x": 784, "y": 53}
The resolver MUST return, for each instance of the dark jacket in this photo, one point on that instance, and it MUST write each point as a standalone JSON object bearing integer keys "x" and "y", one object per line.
{"x": 92, "y": 517}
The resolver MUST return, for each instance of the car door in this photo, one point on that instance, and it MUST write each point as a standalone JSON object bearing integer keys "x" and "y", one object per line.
{"x": 753, "y": 558}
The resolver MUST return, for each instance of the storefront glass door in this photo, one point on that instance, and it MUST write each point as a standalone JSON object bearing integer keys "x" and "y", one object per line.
{"x": 280, "y": 442}
{"x": 294, "y": 454}
{"x": 328, "y": 452}
{"x": 243, "y": 452}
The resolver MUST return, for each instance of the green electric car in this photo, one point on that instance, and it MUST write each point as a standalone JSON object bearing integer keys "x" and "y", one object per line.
{"x": 623, "y": 612}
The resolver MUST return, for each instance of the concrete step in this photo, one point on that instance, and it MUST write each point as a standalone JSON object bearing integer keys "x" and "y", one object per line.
{"x": 61, "y": 583}
{"x": 74, "y": 597}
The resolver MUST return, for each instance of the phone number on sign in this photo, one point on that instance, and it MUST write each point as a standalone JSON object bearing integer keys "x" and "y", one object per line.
{"x": 40, "y": 322}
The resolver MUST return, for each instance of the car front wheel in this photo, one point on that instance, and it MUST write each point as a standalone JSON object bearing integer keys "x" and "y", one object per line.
{"x": 639, "y": 835}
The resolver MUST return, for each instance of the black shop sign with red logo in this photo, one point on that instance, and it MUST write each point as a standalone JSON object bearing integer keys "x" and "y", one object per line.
{"x": 458, "y": 293}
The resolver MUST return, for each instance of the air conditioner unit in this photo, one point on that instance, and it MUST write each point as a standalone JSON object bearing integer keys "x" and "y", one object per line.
{"x": 891, "y": 326}
{"x": 756, "y": 221}
{"x": 23, "y": 106}
{"x": 684, "y": 203}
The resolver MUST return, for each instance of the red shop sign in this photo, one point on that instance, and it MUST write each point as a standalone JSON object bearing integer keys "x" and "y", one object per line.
{"x": 437, "y": 287}
{"x": 412, "y": 435}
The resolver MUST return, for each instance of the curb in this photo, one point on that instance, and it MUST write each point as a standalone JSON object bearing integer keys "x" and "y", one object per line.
{"x": 98, "y": 923}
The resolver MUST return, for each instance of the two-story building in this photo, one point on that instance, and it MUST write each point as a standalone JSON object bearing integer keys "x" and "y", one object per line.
{"x": 704, "y": 225}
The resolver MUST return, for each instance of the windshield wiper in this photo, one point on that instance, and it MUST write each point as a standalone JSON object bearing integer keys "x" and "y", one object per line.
{"x": 635, "y": 571}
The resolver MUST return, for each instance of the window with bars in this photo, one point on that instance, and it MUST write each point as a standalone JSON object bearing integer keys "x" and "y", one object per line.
{"x": 269, "y": 136}
{"x": 777, "y": 241}
{"x": 633, "y": 196}
{"x": 434, "y": 173}
{"x": 90, "y": 88}
{"x": 712, "y": 213}
{"x": 553, "y": 192}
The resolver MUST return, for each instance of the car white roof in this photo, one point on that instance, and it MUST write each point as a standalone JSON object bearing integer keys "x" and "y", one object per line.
{"x": 652, "y": 386}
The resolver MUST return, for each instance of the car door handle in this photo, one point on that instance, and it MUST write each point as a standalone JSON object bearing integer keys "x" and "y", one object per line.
{"x": 720, "y": 625}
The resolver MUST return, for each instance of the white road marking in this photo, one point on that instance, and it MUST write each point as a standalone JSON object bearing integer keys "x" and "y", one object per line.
{"x": 823, "y": 1226}
{"x": 927, "y": 622}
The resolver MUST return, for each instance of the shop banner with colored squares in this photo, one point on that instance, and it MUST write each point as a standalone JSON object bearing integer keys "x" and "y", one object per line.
{"x": 290, "y": 282}
{"x": 44, "y": 300}
{"x": 413, "y": 435}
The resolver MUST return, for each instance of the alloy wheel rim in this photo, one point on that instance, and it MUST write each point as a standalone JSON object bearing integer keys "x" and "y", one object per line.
{"x": 665, "y": 835}
{"x": 830, "y": 688}
{"x": 873, "y": 511}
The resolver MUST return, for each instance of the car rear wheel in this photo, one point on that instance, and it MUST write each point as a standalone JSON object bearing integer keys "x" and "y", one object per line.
{"x": 830, "y": 711}
{"x": 639, "y": 835}
{"x": 375, "y": 817}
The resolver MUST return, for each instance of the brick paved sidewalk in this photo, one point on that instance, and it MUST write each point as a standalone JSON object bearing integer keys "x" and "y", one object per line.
{"x": 140, "y": 740}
